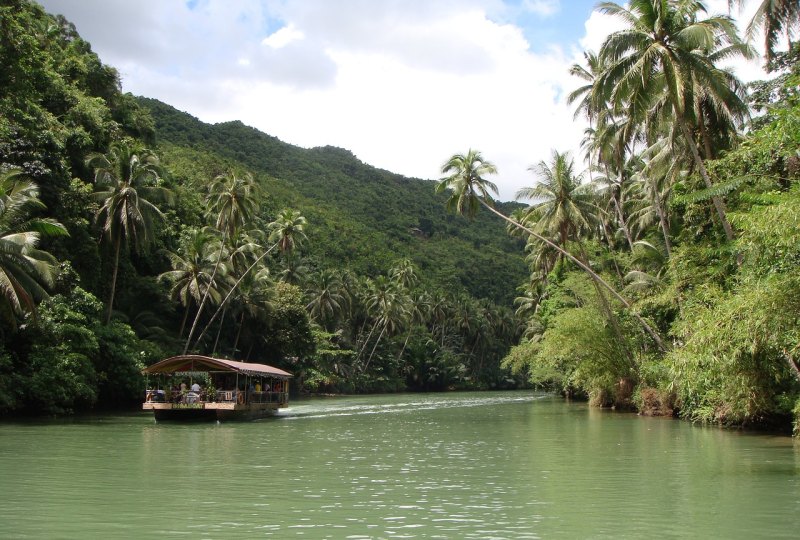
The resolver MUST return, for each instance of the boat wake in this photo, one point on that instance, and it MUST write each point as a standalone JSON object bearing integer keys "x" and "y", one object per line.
{"x": 364, "y": 405}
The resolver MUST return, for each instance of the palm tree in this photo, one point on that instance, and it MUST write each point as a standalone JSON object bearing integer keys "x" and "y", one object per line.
{"x": 328, "y": 298}
{"x": 467, "y": 183}
{"x": 25, "y": 271}
{"x": 191, "y": 273}
{"x": 126, "y": 182}
{"x": 404, "y": 273}
{"x": 387, "y": 305}
{"x": 776, "y": 17}
{"x": 469, "y": 189}
{"x": 561, "y": 204}
{"x": 656, "y": 67}
{"x": 286, "y": 233}
{"x": 294, "y": 269}
{"x": 254, "y": 300}
{"x": 584, "y": 93}
{"x": 233, "y": 200}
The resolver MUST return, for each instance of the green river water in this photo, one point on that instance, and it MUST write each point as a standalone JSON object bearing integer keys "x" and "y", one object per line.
{"x": 479, "y": 465}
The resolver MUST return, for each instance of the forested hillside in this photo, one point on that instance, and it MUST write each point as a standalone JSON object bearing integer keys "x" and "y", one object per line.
{"x": 130, "y": 231}
{"x": 363, "y": 218}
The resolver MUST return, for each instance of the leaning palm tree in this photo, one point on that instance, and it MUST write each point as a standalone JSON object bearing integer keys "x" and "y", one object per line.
{"x": 25, "y": 271}
{"x": 469, "y": 190}
{"x": 657, "y": 65}
{"x": 126, "y": 182}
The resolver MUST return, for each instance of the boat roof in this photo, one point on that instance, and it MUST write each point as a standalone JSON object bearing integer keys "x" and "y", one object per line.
{"x": 196, "y": 362}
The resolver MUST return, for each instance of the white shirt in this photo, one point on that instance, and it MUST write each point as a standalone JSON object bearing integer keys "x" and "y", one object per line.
{"x": 195, "y": 387}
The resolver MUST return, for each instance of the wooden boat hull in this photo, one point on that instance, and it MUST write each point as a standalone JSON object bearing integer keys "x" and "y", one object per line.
{"x": 212, "y": 411}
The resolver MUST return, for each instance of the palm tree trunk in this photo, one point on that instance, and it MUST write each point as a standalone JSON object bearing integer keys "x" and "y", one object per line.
{"x": 618, "y": 208}
{"x": 183, "y": 322}
{"x": 662, "y": 218}
{"x": 623, "y": 224}
{"x": 205, "y": 296}
{"x": 405, "y": 344}
{"x": 375, "y": 347}
{"x": 219, "y": 331}
{"x": 718, "y": 203}
{"x": 113, "y": 280}
{"x": 647, "y": 328}
{"x": 706, "y": 139}
{"x": 363, "y": 347}
{"x": 238, "y": 334}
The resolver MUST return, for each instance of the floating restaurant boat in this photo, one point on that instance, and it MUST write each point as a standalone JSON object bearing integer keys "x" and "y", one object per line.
{"x": 214, "y": 389}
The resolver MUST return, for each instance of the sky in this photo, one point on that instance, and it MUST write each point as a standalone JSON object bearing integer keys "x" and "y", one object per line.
{"x": 403, "y": 84}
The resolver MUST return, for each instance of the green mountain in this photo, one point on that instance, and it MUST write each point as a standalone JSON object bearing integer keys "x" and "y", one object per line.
{"x": 360, "y": 217}
{"x": 112, "y": 230}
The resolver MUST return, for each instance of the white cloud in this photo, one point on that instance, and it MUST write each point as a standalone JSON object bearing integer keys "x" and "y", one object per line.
{"x": 281, "y": 38}
{"x": 541, "y": 7}
{"x": 404, "y": 84}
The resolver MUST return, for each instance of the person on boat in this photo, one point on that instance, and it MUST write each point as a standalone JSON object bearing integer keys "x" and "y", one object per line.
{"x": 183, "y": 386}
{"x": 196, "y": 387}
{"x": 258, "y": 386}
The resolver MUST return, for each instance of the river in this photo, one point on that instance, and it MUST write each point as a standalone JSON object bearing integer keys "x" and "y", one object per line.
{"x": 460, "y": 465}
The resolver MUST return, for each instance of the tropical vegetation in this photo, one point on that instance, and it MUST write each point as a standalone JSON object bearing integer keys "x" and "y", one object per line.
{"x": 665, "y": 282}
{"x": 130, "y": 231}
{"x": 662, "y": 278}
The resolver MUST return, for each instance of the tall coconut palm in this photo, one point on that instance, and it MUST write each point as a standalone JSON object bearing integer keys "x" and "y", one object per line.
{"x": 126, "y": 183}
{"x": 232, "y": 200}
{"x": 294, "y": 269}
{"x": 661, "y": 61}
{"x": 469, "y": 190}
{"x": 25, "y": 271}
{"x": 466, "y": 182}
{"x": 583, "y": 94}
{"x": 253, "y": 301}
{"x": 608, "y": 145}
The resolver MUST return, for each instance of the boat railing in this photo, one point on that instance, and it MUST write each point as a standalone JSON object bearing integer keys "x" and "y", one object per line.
{"x": 220, "y": 396}
{"x": 269, "y": 397}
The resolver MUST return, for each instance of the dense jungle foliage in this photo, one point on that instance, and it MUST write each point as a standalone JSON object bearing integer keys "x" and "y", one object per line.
{"x": 661, "y": 279}
{"x": 130, "y": 231}
{"x": 687, "y": 226}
